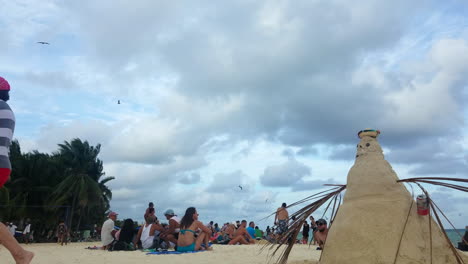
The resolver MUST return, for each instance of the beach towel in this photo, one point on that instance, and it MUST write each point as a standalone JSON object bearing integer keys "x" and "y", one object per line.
{"x": 93, "y": 248}
{"x": 172, "y": 252}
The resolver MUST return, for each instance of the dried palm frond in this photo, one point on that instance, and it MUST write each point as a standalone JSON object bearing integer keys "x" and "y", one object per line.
{"x": 435, "y": 210}
{"x": 289, "y": 237}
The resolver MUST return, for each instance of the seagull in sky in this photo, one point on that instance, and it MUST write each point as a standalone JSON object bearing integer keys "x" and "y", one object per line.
{"x": 118, "y": 102}
{"x": 43, "y": 43}
{"x": 240, "y": 187}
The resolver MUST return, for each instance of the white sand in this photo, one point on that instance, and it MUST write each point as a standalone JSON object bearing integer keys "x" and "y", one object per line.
{"x": 76, "y": 253}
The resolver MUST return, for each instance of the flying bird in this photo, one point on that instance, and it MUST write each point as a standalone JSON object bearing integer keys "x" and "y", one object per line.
{"x": 118, "y": 102}
{"x": 240, "y": 187}
{"x": 43, "y": 43}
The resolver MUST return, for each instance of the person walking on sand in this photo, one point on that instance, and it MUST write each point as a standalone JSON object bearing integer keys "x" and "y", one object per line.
{"x": 20, "y": 255}
{"x": 27, "y": 231}
{"x": 62, "y": 232}
{"x": 305, "y": 233}
{"x": 281, "y": 219}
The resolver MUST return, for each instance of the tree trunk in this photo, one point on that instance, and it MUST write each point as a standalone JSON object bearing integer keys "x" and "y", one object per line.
{"x": 79, "y": 220}
{"x": 72, "y": 211}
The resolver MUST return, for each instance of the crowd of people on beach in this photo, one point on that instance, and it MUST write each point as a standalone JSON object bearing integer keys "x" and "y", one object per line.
{"x": 189, "y": 234}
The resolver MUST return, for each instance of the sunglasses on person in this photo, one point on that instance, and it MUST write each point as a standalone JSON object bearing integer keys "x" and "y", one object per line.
{"x": 320, "y": 224}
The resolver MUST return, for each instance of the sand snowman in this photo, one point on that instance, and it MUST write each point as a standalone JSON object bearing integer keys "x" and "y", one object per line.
{"x": 368, "y": 228}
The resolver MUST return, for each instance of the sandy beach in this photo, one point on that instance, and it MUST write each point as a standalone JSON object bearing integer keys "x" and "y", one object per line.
{"x": 76, "y": 253}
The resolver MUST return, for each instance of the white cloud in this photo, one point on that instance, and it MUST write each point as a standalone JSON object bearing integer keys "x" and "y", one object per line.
{"x": 284, "y": 175}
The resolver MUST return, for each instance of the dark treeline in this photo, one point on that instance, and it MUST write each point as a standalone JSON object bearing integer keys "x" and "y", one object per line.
{"x": 68, "y": 185}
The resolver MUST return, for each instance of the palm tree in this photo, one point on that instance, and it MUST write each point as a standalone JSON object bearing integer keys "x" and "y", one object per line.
{"x": 82, "y": 184}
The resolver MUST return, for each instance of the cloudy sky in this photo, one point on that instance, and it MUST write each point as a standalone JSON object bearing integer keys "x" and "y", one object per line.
{"x": 268, "y": 95}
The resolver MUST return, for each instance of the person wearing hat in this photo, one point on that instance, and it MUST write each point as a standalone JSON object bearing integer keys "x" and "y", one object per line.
{"x": 171, "y": 234}
{"x": 6, "y": 134}
{"x": 108, "y": 231}
{"x": 321, "y": 234}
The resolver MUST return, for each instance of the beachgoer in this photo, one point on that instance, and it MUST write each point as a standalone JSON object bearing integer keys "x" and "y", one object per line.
{"x": 313, "y": 225}
{"x": 62, "y": 232}
{"x": 125, "y": 237}
{"x": 242, "y": 236}
{"x": 188, "y": 228}
{"x": 27, "y": 231}
{"x": 238, "y": 224}
{"x": 251, "y": 230}
{"x": 147, "y": 232}
{"x": 171, "y": 234}
{"x": 12, "y": 227}
{"x": 463, "y": 245}
{"x": 20, "y": 255}
{"x": 108, "y": 231}
{"x": 210, "y": 226}
{"x": 281, "y": 219}
{"x": 321, "y": 234}
{"x": 216, "y": 228}
{"x": 268, "y": 230}
{"x": 305, "y": 233}
{"x": 258, "y": 233}
{"x": 229, "y": 233}
{"x": 150, "y": 210}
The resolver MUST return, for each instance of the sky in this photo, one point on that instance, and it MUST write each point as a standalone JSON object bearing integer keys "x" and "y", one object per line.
{"x": 268, "y": 95}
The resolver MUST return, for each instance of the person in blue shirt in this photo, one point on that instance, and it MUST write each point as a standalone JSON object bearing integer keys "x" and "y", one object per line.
{"x": 251, "y": 230}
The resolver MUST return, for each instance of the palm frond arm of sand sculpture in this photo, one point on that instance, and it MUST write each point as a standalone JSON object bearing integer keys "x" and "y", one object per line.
{"x": 288, "y": 238}
{"x": 331, "y": 195}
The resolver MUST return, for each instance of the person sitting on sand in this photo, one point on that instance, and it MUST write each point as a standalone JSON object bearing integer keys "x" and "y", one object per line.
{"x": 125, "y": 236}
{"x": 242, "y": 236}
{"x": 171, "y": 234}
{"x": 188, "y": 227}
{"x": 258, "y": 233}
{"x": 281, "y": 219}
{"x": 251, "y": 230}
{"x": 108, "y": 231}
{"x": 148, "y": 231}
{"x": 321, "y": 234}
{"x": 62, "y": 232}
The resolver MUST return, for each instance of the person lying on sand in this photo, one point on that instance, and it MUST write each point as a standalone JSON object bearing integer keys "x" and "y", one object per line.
{"x": 242, "y": 236}
{"x": 188, "y": 227}
{"x": 321, "y": 234}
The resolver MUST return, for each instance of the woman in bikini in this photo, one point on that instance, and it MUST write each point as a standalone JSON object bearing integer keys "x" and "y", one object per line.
{"x": 188, "y": 227}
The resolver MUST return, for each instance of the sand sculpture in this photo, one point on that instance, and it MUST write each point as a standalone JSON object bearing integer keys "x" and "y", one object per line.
{"x": 378, "y": 221}
{"x": 369, "y": 224}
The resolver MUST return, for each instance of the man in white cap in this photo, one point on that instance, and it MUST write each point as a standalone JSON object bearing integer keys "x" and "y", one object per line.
{"x": 108, "y": 231}
{"x": 7, "y": 128}
{"x": 171, "y": 235}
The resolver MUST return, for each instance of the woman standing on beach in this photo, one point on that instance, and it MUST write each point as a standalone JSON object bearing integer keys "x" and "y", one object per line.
{"x": 7, "y": 126}
{"x": 188, "y": 227}
{"x": 305, "y": 233}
